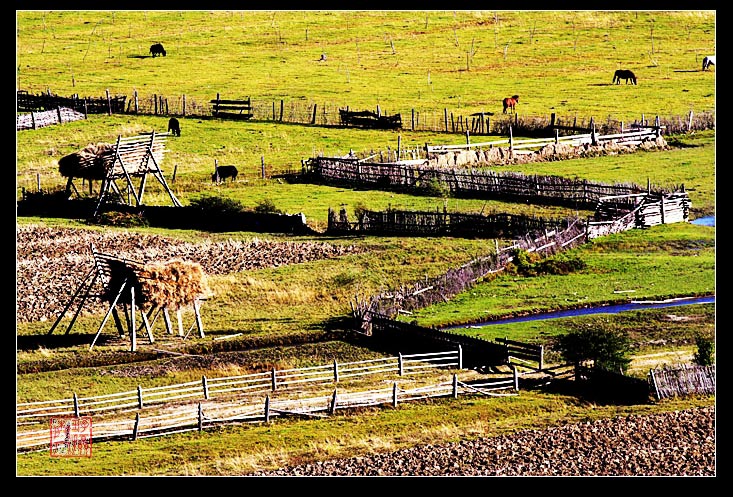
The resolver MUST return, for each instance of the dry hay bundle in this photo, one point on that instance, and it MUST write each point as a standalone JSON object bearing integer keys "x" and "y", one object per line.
{"x": 174, "y": 284}
{"x": 90, "y": 163}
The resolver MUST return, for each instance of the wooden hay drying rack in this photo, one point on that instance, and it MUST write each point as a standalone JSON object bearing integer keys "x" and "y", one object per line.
{"x": 119, "y": 276}
{"x": 132, "y": 158}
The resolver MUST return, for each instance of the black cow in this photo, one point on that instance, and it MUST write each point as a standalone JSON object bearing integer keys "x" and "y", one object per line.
{"x": 224, "y": 172}
{"x": 157, "y": 49}
{"x": 174, "y": 126}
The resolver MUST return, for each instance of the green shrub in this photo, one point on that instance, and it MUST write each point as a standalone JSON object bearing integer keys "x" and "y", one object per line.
{"x": 267, "y": 206}
{"x": 435, "y": 188}
{"x": 606, "y": 349}
{"x": 705, "y": 349}
{"x": 217, "y": 205}
{"x": 527, "y": 263}
{"x": 120, "y": 219}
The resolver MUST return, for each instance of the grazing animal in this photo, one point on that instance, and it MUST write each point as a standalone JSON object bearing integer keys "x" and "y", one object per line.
{"x": 707, "y": 62}
{"x": 510, "y": 103}
{"x": 224, "y": 172}
{"x": 157, "y": 49}
{"x": 624, "y": 74}
{"x": 174, "y": 126}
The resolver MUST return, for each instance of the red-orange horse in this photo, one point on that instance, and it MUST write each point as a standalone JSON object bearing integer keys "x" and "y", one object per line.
{"x": 510, "y": 102}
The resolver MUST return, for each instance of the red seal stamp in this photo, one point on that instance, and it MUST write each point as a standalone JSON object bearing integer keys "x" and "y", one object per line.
{"x": 71, "y": 437}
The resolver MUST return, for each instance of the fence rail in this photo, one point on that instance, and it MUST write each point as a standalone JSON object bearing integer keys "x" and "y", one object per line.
{"x": 680, "y": 382}
{"x": 204, "y": 415}
{"x": 207, "y": 388}
{"x": 327, "y": 114}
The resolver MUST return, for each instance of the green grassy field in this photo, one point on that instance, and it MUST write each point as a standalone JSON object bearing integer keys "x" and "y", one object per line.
{"x": 557, "y": 61}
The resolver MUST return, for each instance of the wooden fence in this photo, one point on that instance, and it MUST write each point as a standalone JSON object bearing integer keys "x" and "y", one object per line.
{"x": 467, "y": 183}
{"x": 208, "y": 388}
{"x": 197, "y": 417}
{"x": 426, "y": 292}
{"x": 426, "y": 223}
{"x": 25, "y": 102}
{"x": 35, "y": 120}
{"x": 327, "y": 114}
{"x": 231, "y": 109}
{"x": 369, "y": 119}
{"x": 679, "y": 382}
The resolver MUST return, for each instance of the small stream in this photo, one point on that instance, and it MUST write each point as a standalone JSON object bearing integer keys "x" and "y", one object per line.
{"x": 606, "y": 309}
{"x": 704, "y": 221}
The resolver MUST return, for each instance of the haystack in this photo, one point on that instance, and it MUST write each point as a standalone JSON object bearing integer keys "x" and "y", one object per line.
{"x": 89, "y": 163}
{"x": 173, "y": 285}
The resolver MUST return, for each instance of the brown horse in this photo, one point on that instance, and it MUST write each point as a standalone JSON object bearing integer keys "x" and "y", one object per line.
{"x": 510, "y": 102}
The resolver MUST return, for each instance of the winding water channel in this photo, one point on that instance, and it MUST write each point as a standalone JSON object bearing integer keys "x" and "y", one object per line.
{"x": 606, "y": 309}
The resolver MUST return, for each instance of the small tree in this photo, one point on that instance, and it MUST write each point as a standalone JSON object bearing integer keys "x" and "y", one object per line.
{"x": 704, "y": 354}
{"x": 607, "y": 349}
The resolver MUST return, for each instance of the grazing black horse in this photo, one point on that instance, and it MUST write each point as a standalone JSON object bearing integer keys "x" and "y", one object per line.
{"x": 224, "y": 172}
{"x": 707, "y": 62}
{"x": 157, "y": 49}
{"x": 624, "y": 74}
{"x": 174, "y": 126}
{"x": 510, "y": 103}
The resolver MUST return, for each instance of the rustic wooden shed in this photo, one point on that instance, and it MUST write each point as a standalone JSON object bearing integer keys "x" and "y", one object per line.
{"x": 152, "y": 289}
{"x": 129, "y": 160}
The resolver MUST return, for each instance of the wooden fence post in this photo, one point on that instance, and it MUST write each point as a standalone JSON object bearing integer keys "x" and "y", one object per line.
{"x": 58, "y": 111}
{"x": 399, "y": 146}
{"x": 516, "y": 378}
{"x": 201, "y": 417}
{"x": 689, "y": 122}
{"x": 511, "y": 140}
{"x": 267, "y": 409}
{"x": 38, "y": 181}
{"x": 206, "y": 387}
{"x": 273, "y": 110}
{"x": 313, "y": 119}
{"x": 282, "y": 109}
{"x": 413, "y": 120}
{"x": 542, "y": 357}
{"x": 33, "y": 119}
{"x": 274, "y": 380}
{"x": 394, "y": 394}
{"x": 460, "y": 357}
{"x": 76, "y": 406}
{"x": 197, "y": 315}
{"x": 263, "y": 167}
{"x": 400, "y": 365}
{"x": 332, "y": 407}
{"x": 183, "y": 110}
{"x": 654, "y": 383}
{"x": 557, "y": 136}
{"x": 139, "y": 397}
{"x": 136, "y": 427}
{"x": 468, "y": 138}
{"x": 455, "y": 386}
{"x": 133, "y": 333}
{"x": 661, "y": 207}
{"x": 109, "y": 104}
{"x": 335, "y": 371}
{"x": 137, "y": 106}
{"x": 175, "y": 170}
{"x": 445, "y": 119}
